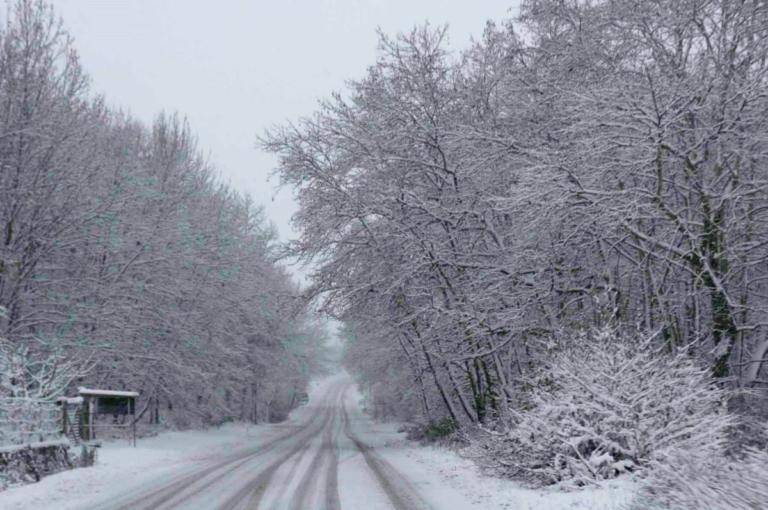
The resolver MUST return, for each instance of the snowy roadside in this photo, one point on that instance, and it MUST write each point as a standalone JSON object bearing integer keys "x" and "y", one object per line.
{"x": 120, "y": 467}
{"x": 441, "y": 477}
{"x": 152, "y": 458}
{"x": 450, "y": 482}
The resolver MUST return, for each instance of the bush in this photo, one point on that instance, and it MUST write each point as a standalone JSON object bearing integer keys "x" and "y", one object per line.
{"x": 28, "y": 387}
{"x": 413, "y": 432}
{"x": 440, "y": 429}
{"x": 607, "y": 405}
{"x": 706, "y": 480}
{"x": 433, "y": 431}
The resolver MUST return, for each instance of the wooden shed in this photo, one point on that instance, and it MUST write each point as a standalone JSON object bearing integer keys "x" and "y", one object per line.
{"x": 97, "y": 402}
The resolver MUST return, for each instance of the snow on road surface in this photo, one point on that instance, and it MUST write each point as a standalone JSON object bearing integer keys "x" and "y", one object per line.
{"x": 328, "y": 455}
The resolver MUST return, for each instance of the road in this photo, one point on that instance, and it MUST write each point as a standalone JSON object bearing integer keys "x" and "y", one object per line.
{"x": 301, "y": 467}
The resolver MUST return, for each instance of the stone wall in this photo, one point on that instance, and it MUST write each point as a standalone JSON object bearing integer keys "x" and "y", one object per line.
{"x": 29, "y": 463}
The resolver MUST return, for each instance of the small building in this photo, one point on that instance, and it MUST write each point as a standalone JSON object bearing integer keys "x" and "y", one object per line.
{"x": 80, "y": 415}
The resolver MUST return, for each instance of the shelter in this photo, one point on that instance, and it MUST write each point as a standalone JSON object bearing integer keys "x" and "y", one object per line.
{"x": 93, "y": 403}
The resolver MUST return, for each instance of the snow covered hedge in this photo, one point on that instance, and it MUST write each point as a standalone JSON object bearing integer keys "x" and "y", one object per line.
{"x": 608, "y": 404}
{"x": 29, "y": 385}
{"x": 706, "y": 480}
{"x": 31, "y": 442}
{"x": 24, "y": 421}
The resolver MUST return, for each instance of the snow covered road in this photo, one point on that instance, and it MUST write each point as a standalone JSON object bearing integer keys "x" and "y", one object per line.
{"x": 296, "y": 469}
{"x": 292, "y": 466}
{"x": 328, "y": 455}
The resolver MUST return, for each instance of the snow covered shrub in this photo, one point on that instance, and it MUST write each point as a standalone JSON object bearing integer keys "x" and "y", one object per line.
{"x": 25, "y": 421}
{"x": 607, "y": 404}
{"x": 28, "y": 388}
{"x": 706, "y": 480}
{"x": 440, "y": 429}
{"x": 433, "y": 431}
{"x": 31, "y": 443}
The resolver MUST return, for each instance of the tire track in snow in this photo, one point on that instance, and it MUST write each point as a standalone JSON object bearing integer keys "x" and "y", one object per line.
{"x": 291, "y": 474}
{"x": 165, "y": 495}
{"x": 176, "y": 493}
{"x": 332, "y": 500}
{"x": 400, "y": 492}
{"x": 307, "y": 482}
{"x": 331, "y": 420}
{"x": 310, "y": 479}
{"x": 250, "y": 495}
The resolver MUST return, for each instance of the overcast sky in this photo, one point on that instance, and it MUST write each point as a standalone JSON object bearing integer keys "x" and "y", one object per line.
{"x": 237, "y": 67}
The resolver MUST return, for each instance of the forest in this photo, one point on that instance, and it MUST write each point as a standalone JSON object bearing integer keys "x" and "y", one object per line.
{"x": 125, "y": 262}
{"x": 547, "y": 249}
{"x": 553, "y": 244}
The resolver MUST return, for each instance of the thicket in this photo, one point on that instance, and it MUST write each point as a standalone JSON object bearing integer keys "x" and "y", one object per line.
{"x": 606, "y": 405}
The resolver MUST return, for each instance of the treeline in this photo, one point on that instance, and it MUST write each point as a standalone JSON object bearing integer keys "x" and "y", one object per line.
{"x": 588, "y": 166}
{"x": 125, "y": 260}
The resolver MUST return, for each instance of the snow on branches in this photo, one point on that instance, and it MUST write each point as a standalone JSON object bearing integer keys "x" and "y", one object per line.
{"x": 28, "y": 387}
{"x": 606, "y": 404}
{"x": 702, "y": 479}
{"x": 588, "y": 163}
{"x": 120, "y": 245}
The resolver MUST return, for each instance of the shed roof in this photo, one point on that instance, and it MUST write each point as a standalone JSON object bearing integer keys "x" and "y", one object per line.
{"x": 106, "y": 393}
{"x": 71, "y": 400}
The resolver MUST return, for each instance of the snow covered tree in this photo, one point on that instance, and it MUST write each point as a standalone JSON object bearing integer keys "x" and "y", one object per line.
{"x": 123, "y": 253}
{"x": 588, "y": 163}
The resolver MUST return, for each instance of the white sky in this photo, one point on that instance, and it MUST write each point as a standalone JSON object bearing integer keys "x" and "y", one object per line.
{"x": 237, "y": 67}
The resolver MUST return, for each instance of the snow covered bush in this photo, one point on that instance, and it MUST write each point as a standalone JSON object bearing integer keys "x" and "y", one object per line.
{"x": 31, "y": 443}
{"x": 28, "y": 386}
{"x": 607, "y": 404}
{"x": 706, "y": 480}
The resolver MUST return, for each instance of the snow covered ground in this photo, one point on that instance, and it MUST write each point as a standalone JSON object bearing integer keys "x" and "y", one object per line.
{"x": 327, "y": 455}
{"x": 448, "y": 481}
{"x": 120, "y": 466}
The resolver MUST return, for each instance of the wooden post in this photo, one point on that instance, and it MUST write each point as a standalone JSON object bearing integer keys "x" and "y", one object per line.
{"x": 91, "y": 409}
{"x": 64, "y": 418}
{"x": 84, "y": 432}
